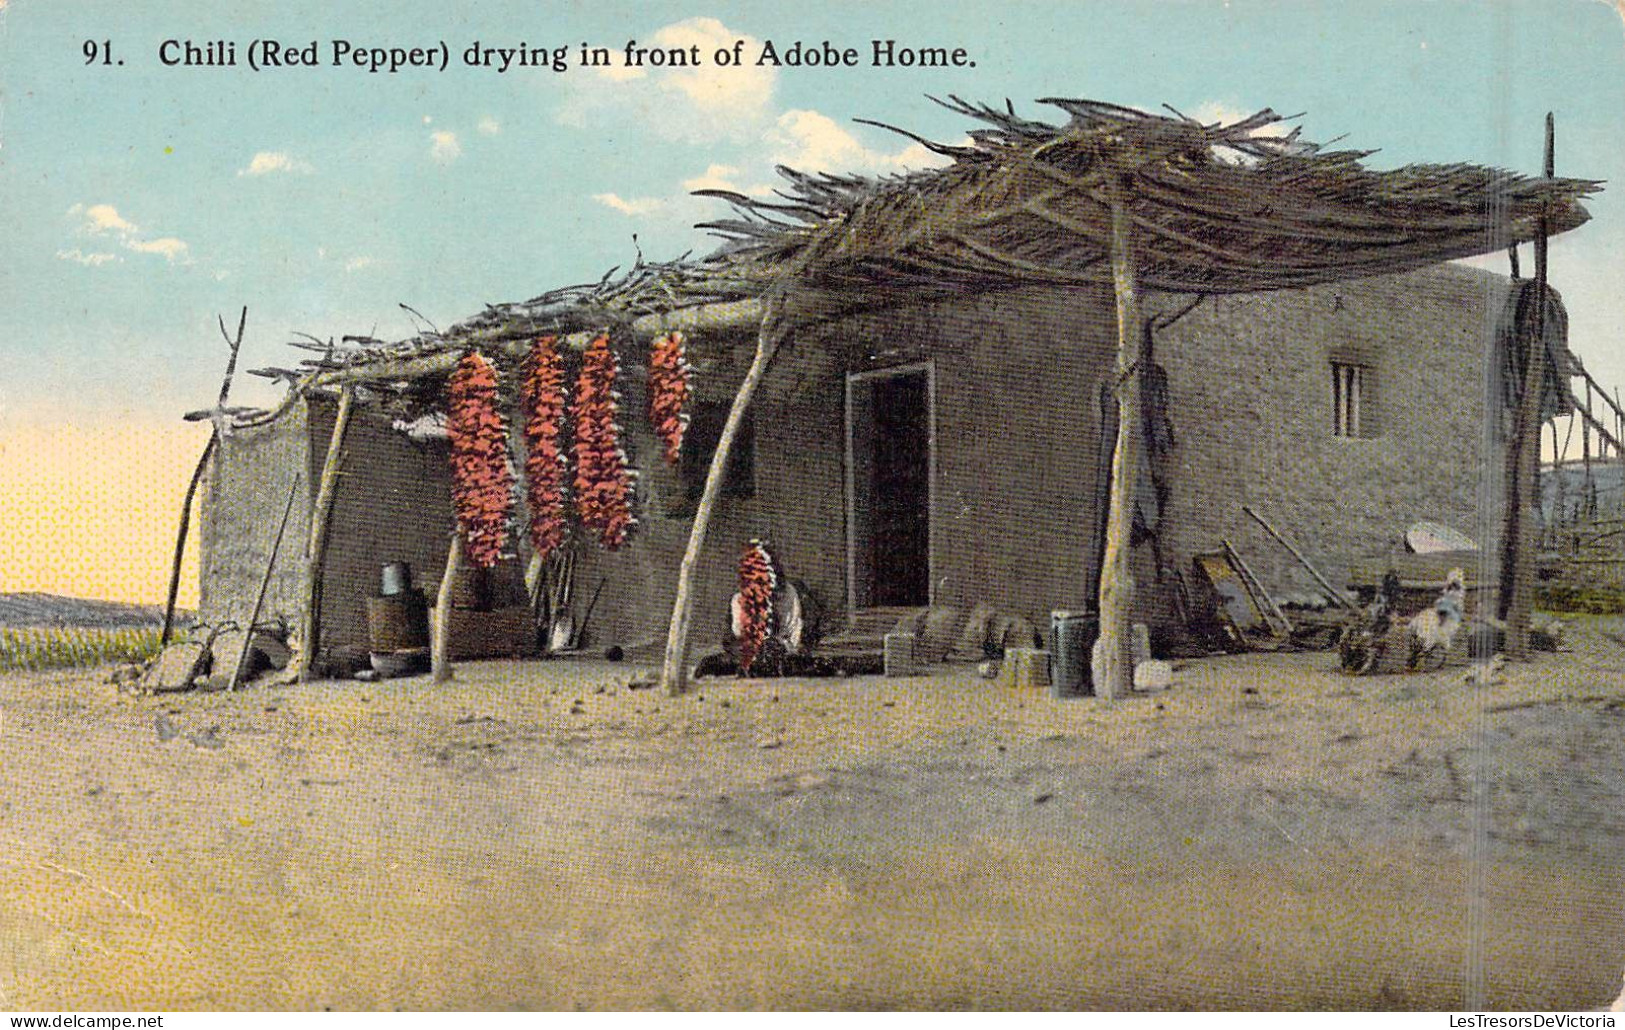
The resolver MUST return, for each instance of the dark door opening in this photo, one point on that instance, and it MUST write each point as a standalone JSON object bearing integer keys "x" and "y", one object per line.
{"x": 890, "y": 437}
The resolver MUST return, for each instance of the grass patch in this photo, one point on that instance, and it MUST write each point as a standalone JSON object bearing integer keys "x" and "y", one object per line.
{"x": 74, "y": 647}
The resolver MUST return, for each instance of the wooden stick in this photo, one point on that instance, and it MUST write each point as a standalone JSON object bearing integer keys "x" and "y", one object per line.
{"x": 1268, "y": 607}
{"x": 1114, "y": 674}
{"x": 1517, "y": 554}
{"x": 180, "y": 537}
{"x": 265, "y": 583}
{"x": 1326, "y": 584}
{"x": 310, "y": 623}
{"x": 440, "y": 661}
{"x": 235, "y": 344}
{"x": 674, "y": 673}
{"x": 581, "y": 630}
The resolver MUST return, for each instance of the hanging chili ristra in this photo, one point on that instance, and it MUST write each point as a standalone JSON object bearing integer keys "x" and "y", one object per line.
{"x": 546, "y": 467}
{"x": 757, "y": 582}
{"x": 669, "y": 393}
{"x": 481, "y": 475}
{"x": 603, "y": 479}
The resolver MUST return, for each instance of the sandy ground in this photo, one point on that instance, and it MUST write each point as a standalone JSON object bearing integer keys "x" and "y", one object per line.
{"x": 1266, "y": 834}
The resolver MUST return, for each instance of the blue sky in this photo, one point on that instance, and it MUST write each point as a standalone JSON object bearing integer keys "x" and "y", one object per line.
{"x": 139, "y": 200}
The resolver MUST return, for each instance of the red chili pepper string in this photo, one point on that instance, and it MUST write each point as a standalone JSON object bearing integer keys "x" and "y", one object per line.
{"x": 481, "y": 475}
{"x": 603, "y": 477}
{"x": 669, "y": 393}
{"x": 757, "y": 582}
{"x": 546, "y": 466}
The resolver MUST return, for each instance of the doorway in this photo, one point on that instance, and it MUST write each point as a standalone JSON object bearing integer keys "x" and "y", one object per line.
{"x": 890, "y": 468}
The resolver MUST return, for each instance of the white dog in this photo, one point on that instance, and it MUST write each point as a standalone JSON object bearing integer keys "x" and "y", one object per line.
{"x": 1433, "y": 630}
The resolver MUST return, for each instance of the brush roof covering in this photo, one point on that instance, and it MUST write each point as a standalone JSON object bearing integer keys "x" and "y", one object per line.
{"x": 1214, "y": 208}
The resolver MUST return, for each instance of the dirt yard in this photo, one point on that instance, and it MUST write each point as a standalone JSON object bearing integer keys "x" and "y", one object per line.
{"x": 1266, "y": 834}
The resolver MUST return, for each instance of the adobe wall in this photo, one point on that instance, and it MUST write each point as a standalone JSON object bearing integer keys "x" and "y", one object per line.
{"x": 392, "y": 503}
{"x": 640, "y": 579}
{"x": 1017, "y": 422}
{"x": 1251, "y": 385}
{"x": 243, "y": 500}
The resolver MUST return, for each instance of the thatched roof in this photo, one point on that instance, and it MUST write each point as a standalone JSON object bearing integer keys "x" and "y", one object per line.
{"x": 1216, "y": 208}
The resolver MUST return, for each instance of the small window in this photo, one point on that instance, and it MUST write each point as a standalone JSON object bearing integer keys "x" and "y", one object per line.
{"x": 1351, "y": 397}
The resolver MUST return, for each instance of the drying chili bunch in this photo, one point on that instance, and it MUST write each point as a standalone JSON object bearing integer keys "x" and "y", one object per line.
{"x": 757, "y": 582}
{"x": 603, "y": 480}
{"x": 669, "y": 393}
{"x": 481, "y": 476}
{"x": 546, "y": 466}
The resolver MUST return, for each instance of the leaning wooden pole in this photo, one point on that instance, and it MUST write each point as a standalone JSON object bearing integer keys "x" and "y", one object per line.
{"x": 1518, "y": 551}
{"x": 1113, "y": 667}
{"x": 180, "y": 537}
{"x": 235, "y": 345}
{"x": 440, "y": 639}
{"x": 674, "y": 674}
{"x": 321, "y": 514}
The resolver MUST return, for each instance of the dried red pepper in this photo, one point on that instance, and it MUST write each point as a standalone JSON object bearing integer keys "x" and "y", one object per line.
{"x": 669, "y": 393}
{"x": 546, "y": 466}
{"x": 757, "y": 583}
{"x": 482, "y": 477}
{"x": 603, "y": 479}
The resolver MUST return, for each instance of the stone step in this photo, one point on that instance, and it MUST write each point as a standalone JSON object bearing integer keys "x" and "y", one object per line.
{"x": 877, "y": 622}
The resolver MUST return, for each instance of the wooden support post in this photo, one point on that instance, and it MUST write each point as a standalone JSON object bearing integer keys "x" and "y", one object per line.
{"x": 674, "y": 673}
{"x": 1518, "y": 557}
{"x": 1114, "y": 672}
{"x": 440, "y": 651}
{"x": 321, "y": 513}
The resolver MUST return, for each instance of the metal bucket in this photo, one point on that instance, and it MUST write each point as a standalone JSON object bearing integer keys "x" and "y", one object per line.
{"x": 1071, "y": 642}
{"x": 397, "y": 579}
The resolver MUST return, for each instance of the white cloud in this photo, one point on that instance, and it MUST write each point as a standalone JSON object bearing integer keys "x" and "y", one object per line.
{"x": 92, "y": 259}
{"x": 633, "y": 207}
{"x": 267, "y": 161}
{"x": 104, "y": 220}
{"x": 356, "y": 264}
{"x": 812, "y": 142}
{"x": 722, "y": 177}
{"x": 700, "y": 104}
{"x": 443, "y": 147}
{"x": 168, "y": 246}
{"x": 489, "y": 126}
{"x": 101, "y": 219}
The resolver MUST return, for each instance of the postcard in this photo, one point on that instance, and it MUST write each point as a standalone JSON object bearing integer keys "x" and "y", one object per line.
{"x": 846, "y": 506}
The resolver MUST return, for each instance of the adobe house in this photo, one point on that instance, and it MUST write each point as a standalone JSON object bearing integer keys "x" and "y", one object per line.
{"x": 923, "y": 389}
